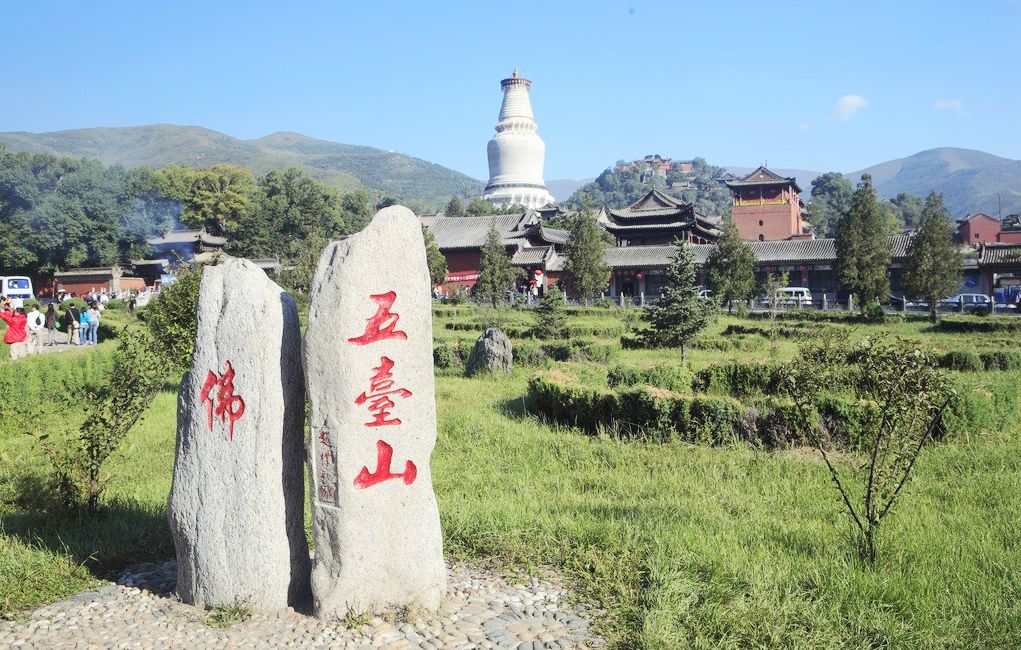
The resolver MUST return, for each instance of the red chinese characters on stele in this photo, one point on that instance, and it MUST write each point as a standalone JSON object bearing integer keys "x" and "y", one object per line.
{"x": 383, "y": 390}
{"x": 225, "y": 404}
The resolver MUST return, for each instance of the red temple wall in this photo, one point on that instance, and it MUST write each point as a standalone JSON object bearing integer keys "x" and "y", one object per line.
{"x": 778, "y": 221}
{"x": 1009, "y": 236}
{"x": 979, "y": 230}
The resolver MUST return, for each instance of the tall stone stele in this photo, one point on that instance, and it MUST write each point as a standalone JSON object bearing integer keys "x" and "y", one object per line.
{"x": 369, "y": 373}
{"x": 236, "y": 503}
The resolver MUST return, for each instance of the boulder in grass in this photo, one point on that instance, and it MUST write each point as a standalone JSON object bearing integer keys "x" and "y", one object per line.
{"x": 493, "y": 352}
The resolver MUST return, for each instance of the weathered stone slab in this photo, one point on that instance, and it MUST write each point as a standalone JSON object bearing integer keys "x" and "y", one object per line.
{"x": 369, "y": 370}
{"x": 236, "y": 506}
{"x": 492, "y": 352}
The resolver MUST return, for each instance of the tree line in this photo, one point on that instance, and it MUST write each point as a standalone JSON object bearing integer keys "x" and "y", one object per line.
{"x": 60, "y": 213}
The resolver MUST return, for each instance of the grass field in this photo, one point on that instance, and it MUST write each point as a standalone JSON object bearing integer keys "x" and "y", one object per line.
{"x": 683, "y": 545}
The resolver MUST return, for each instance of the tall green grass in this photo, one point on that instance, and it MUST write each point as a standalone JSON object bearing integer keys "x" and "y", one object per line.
{"x": 684, "y": 546}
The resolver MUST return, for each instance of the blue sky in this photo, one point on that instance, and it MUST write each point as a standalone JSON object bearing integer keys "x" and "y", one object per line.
{"x": 813, "y": 85}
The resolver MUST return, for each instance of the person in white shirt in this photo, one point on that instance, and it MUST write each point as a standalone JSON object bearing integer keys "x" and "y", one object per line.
{"x": 36, "y": 326}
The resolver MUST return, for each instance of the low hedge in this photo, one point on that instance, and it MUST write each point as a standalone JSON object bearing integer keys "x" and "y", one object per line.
{"x": 527, "y": 353}
{"x": 116, "y": 304}
{"x": 985, "y": 325}
{"x": 669, "y": 376}
{"x": 527, "y": 331}
{"x": 451, "y": 354}
{"x": 1001, "y": 360}
{"x": 739, "y": 379}
{"x": 961, "y": 360}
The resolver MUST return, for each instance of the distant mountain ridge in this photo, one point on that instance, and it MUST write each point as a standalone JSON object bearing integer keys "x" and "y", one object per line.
{"x": 968, "y": 179}
{"x": 347, "y": 167}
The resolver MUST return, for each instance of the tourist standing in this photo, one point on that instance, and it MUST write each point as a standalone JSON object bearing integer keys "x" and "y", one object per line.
{"x": 83, "y": 330}
{"x": 71, "y": 321}
{"x": 15, "y": 335}
{"x": 36, "y": 325}
{"x": 51, "y": 324}
{"x": 94, "y": 324}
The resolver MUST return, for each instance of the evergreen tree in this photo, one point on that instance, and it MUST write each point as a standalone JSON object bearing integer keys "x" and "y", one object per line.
{"x": 831, "y": 199}
{"x": 863, "y": 251}
{"x": 680, "y": 314}
{"x": 435, "y": 259}
{"x": 731, "y": 267}
{"x": 454, "y": 208}
{"x": 551, "y": 315}
{"x": 495, "y": 271}
{"x": 933, "y": 266}
{"x": 585, "y": 271}
{"x": 479, "y": 207}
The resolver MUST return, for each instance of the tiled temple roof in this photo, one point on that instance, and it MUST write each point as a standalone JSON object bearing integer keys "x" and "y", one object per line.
{"x": 186, "y": 237}
{"x": 763, "y": 176}
{"x": 1000, "y": 254}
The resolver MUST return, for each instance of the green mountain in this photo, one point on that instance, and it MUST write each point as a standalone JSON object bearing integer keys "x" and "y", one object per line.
{"x": 968, "y": 179}
{"x": 344, "y": 166}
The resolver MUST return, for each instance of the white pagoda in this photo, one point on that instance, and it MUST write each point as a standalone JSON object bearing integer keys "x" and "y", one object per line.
{"x": 516, "y": 152}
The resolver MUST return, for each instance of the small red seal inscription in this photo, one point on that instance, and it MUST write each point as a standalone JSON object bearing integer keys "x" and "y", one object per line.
{"x": 228, "y": 406}
{"x": 384, "y": 454}
{"x": 382, "y": 325}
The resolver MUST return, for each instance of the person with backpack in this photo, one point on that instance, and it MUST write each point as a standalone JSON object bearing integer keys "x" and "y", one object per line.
{"x": 51, "y": 324}
{"x": 36, "y": 325}
{"x": 15, "y": 335}
{"x": 72, "y": 323}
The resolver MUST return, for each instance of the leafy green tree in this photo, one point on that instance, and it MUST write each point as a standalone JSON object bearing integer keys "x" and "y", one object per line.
{"x": 863, "y": 250}
{"x": 435, "y": 259}
{"x": 908, "y": 209}
{"x": 170, "y": 318}
{"x": 731, "y": 268}
{"x": 906, "y": 395}
{"x": 299, "y": 278}
{"x": 214, "y": 198}
{"x": 111, "y": 410}
{"x": 454, "y": 208}
{"x": 495, "y": 272}
{"x": 585, "y": 271}
{"x": 831, "y": 200}
{"x": 680, "y": 314}
{"x": 551, "y": 315}
{"x": 479, "y": 207}
{"x": 933, "y": 266}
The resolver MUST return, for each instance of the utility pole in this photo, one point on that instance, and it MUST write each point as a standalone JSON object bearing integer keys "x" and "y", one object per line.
{"x": 999, "y": 206}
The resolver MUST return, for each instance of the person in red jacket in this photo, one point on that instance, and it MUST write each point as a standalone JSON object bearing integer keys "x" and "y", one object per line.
{"x": 15, "y": 335}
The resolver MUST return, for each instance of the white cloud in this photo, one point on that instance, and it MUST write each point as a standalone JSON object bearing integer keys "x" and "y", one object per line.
{"x": 954, "y": 105}
{"x": 848, "y": 105}
{"x": 805, "y": 127}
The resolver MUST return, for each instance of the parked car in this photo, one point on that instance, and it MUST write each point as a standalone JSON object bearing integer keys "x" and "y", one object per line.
{"x": 897, "y": 302}
{"x": 706, "y": 293}
{"x": 970, "y": 302}
{"x": 793, "y": 296}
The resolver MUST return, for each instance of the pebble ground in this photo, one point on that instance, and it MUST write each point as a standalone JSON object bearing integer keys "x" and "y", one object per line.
{"x": 482, "y": 610}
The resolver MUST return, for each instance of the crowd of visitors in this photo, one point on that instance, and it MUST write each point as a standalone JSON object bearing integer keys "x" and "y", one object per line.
{"x": 28, "y": 330}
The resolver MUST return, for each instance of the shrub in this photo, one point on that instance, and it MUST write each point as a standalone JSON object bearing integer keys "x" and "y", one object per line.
{"x": 603, "y": 303}
{"x": 873, "y": 313}
{"x": 116, "y": 304}
{"x": 445, "y": 356}
{"x": 1001, "y": 360}
{"x": 529, "y": 353}
{"x": 716, "y": 343}
{"x": 670, "y": 376}
{"x": 989, "y": 325}
{"x": 738, "y": 379}
{"x": 964, "y": 360}
{"x": 170, "y": 318}
{"x": 551, "y": 315}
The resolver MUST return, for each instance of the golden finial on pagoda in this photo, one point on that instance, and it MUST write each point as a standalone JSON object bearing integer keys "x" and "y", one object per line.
{"x": 515, "y": 75}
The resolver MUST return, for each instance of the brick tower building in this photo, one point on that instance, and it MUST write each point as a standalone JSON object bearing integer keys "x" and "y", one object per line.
{"x": 767, "y": 207}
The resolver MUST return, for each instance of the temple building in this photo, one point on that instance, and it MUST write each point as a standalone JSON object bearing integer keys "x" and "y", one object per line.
{"x": 532, "y": 245}
{"x": 516, "y": 153}
{"x": 766, "y": 207}
{"x": 659, "y": 218}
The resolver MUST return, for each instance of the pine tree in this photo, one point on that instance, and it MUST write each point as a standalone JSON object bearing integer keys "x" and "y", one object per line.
{"x": 680, "y": 314}
{"x": 434, "y": 258}
{"x": 454, "y": 208}
{"x": 495, "y": 270}
{"x": 863, "y": 250}
{"x": 585, "y": 271}
{"x": 933, "y": 266}
{"x": 551, "y": 315}
{"x": 731, "y": 267}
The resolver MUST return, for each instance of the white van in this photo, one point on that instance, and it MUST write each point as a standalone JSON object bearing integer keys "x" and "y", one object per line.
{"x": 794, "y": 296}
{"x": 13, "y": 287}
